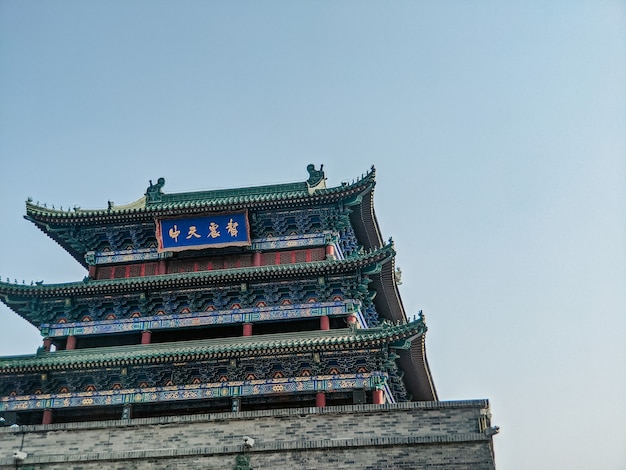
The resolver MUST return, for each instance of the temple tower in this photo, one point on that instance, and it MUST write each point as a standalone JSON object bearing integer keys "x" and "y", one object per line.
{"x": 250, "y": 300}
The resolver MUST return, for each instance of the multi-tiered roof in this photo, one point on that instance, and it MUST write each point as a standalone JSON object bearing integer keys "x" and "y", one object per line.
{"x": 252, "y": 297}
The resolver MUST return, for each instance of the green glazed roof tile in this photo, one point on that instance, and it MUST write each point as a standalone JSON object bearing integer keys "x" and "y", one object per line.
{"x": 219, "y": 199}
{"x": 380, "y": 255}
{"x": 237, "y": 346}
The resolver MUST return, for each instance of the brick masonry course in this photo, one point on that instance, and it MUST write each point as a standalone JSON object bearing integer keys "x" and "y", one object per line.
{"x": 430, "y": 435}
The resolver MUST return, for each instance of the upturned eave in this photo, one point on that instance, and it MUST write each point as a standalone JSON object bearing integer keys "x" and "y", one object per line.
{"x": 274, "y": 344}
{"x": 181, "y": 204}
{"x": 19, "y": 297}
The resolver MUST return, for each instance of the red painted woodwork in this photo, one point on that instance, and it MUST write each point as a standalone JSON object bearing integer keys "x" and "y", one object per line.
{"x": 320, "y": 399}
{"x": 146, "y": 336}
{"x": 47, "y": 417}
{"x": 71, "y": 343}
{"x": 207, "y": 264}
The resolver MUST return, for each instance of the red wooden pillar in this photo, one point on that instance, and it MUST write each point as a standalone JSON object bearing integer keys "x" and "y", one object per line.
{"x": 320, "y": 399}
{"x": 47, "y": 417}
{"x": 47, "y": 344}
{"x": 330, "y": 251}
{"x": 247, "y": 329}
{"x": 71, "y": 342}
{"x": 162, "y": 267}
{"x": 379, "y": 398}
{"x": 145, "y": 337}
{"x": 92, "y": 271}
{"x": 324, "y": 322}
{"x": 256, "y": 258}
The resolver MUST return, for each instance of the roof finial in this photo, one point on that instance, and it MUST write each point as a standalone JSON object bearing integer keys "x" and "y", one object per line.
{"x": 317, "y": 179}
{"x": 154, "y": 193}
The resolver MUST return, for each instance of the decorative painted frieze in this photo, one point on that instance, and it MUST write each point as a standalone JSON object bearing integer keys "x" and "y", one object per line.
{"x": 210, "y": 318}
{"x": 295, "y": 241}
{"x": 229, "y": 389}
{"x": 123, "y": 256}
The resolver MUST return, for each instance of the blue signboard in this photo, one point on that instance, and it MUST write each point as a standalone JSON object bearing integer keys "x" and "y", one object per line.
{"x": 212, "y": 231}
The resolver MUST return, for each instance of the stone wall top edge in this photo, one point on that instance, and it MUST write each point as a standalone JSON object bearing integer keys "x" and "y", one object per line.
{"x": 346, "y": 409}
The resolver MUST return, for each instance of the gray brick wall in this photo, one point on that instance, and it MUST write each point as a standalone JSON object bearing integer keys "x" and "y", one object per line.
{"x": 431, "y": 435}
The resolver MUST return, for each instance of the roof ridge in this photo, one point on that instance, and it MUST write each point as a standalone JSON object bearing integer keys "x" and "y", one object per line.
{"x": 193, "y": 199}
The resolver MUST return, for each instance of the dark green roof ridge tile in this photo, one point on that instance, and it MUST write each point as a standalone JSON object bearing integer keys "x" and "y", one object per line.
{"x": 213, "y": 199}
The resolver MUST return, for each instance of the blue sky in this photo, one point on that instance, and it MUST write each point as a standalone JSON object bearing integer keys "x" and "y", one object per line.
{"x": 497, "y": 132}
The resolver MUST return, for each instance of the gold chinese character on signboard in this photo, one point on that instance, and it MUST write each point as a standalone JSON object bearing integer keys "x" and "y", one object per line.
{"x": 192, "y": 232}
{"x": 232, "y": 228}
{"x": 174, "y": 233}
{"x": 213, "y": 230}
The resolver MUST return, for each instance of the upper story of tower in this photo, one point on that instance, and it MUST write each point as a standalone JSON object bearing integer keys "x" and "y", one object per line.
{"x": 218, "y": 228}
{"x": 200, "y": 266}
{"x": 225, "y": 240}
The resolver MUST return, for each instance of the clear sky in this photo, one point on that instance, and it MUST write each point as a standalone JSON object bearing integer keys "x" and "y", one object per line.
{"x": 497, "y": 130}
